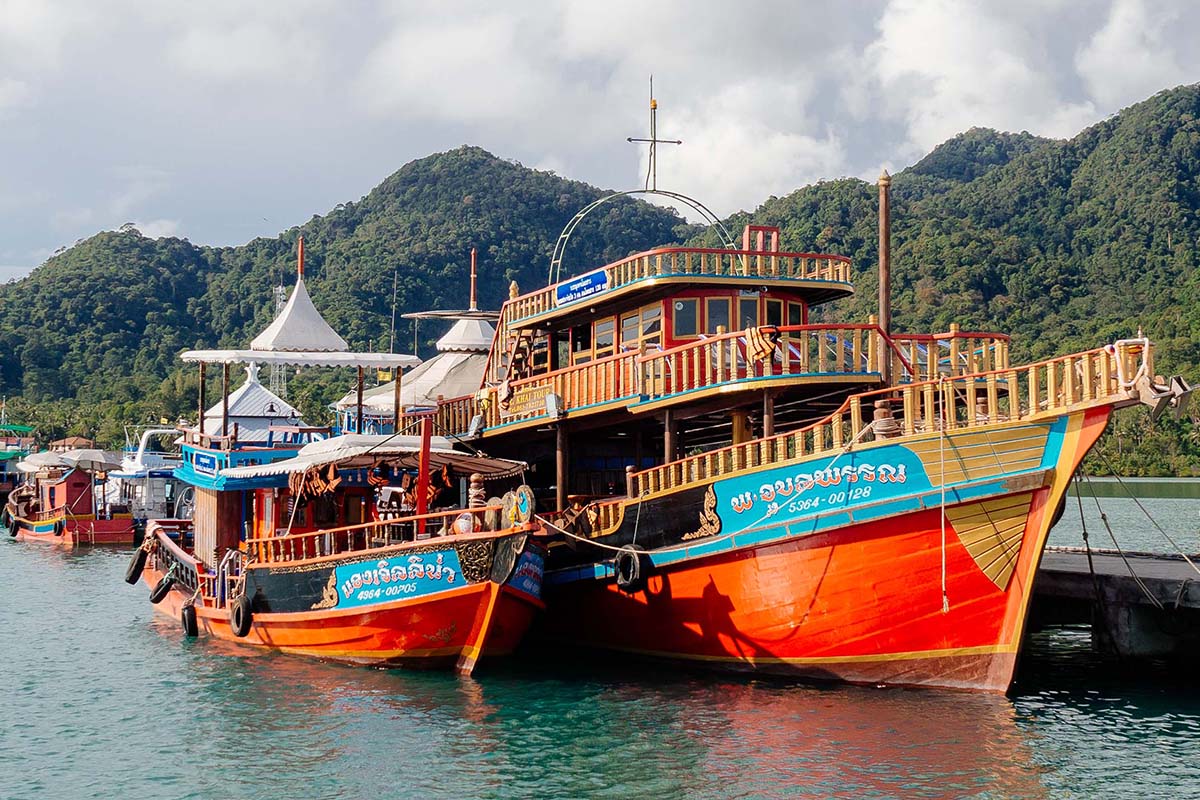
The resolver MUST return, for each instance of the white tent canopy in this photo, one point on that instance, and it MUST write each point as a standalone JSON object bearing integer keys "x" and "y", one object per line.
{"x": 354, "y": 450}
{"x": 36, "y": 462}
{"x": 299, "y": 327}
{"x": 302, "y": 359}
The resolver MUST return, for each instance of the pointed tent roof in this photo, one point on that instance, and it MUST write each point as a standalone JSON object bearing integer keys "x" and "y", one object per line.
{"x": 456, "y": 370}
{"x": 254, "y": 408}
{"x": 468, "y": 336}
{"x": 300, "y": 327}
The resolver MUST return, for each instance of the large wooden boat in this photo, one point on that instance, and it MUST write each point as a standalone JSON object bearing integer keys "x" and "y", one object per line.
{"x": 743, "y": 488}
{"x": 438, "y": 589}
{"x": 357, "y": 548}
{"x": 62, "y": 503}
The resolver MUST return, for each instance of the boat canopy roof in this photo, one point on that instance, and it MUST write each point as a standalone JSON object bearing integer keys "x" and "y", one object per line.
{"x": 355, "y": 450}
{"x": 302, "y": 358}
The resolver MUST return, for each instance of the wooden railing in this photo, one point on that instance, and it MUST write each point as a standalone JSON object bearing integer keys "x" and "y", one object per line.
{"x": 729, "y": 357}
{"x": 690, "y": 261}
{"x": 352, "y": 538}
{"x": 1105, "y": 375}
{"x": 723, "y": 359}
{"x": 925, "y": 357}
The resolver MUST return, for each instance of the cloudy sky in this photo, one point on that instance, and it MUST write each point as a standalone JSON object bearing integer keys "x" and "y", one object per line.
{"x": 225, "y": 120}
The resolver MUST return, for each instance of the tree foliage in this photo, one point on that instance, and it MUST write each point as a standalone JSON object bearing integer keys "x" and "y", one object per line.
{"x": 1065, "y": 244}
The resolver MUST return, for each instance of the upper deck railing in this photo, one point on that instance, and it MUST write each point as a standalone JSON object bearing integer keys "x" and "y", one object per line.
{"x": 652, "y": 376}
{"x": 948, "y": 403}
{"x": 685, "y": 262}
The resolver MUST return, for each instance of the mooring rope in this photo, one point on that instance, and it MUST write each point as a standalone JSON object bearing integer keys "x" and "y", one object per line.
{"x": 1143, "y": 509}
{"x": 685, "y": 546}
{"x": 1104, "y": 518}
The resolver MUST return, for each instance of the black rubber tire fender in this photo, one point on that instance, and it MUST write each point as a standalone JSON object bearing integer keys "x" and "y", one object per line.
{"x": 632, "y": 567}
{"x": 136, "y": 564}
{"x": 241, "y": 616}
{"x": 161, "y": 588}
{"x": 187, "y": 619}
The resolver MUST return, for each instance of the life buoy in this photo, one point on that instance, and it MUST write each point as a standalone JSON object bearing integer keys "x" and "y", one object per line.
{"x": 161, "y": 588}
{"x": 187, "y": 618}
{"x": 632, "y": 567}
{"x": 241, "y": 616}
{"x": 136, "y": 564}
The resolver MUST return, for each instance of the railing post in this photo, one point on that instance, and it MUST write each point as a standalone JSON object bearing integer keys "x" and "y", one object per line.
{"x": 873, "y": 344}
{"x": 954, "y": 369}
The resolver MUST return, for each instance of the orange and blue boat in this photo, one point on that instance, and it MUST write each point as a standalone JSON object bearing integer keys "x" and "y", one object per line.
{"x": 373, "y": 549}
{"x": 741, "y": 487}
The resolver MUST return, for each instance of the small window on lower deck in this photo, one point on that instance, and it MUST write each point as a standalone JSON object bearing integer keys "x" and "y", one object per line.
{"x": 716, "y": 314}
{"x": 774, "y": 312}
{"x": 795, "y": 314}
{"x": 747, "y": 313}
{"x": 686, "y": 319}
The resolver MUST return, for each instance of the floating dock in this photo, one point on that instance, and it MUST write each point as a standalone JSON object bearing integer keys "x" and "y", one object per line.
{"x": 1141, "y": 605}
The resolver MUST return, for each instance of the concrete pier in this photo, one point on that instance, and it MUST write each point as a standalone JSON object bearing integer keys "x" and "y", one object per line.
{"x": 1153, "y": 615}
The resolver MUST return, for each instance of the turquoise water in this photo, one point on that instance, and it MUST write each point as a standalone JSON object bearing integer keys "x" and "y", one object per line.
{"x": 103, "y": 699}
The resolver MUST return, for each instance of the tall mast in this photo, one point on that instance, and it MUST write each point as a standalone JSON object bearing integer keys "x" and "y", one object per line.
{"x": 885, "y": 269}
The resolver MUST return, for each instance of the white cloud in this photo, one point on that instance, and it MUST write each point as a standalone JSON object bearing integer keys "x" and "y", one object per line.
{"x": 158, "y": 228}
{"x": 246, "y": 50}
{"x": 13, "y": 94}
{"x": 944, "y": 66}
{"x": 1130, "y": 57}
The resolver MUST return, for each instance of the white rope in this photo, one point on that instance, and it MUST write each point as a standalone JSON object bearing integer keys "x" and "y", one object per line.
{"x": 683, "y": 546}
{"x": 942, "y": 473}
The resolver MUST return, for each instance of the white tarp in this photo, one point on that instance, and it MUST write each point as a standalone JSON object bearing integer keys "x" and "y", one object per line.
{"x": 353, "y": 450}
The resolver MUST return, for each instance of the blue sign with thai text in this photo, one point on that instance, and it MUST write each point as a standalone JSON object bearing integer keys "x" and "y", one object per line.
{"x": 205, "y": 464}
{"x": 370, "y": 582}
{"x": 527, "y": 577}
{"x": 821, "y": 486}
{"x": 576, "y": 289}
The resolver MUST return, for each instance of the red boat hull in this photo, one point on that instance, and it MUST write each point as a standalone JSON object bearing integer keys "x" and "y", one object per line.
{"x": 431, "y": 631}
{"x": 861, "y": 603}
{"x": 78, "y": 532}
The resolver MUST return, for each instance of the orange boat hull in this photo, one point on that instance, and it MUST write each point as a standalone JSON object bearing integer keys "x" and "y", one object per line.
{"x": 430, "y": 631}
{"x": 861, "y": 603}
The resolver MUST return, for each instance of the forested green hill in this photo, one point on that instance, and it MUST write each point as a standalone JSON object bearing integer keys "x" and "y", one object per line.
{"x": 1063, "y": 243}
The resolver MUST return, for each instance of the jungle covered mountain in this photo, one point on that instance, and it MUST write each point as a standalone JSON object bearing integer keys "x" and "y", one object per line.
{"x": 1065, "y": 244}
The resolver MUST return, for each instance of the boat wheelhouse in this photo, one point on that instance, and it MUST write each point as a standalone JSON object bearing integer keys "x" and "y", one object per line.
{"x": 738, "y": 486}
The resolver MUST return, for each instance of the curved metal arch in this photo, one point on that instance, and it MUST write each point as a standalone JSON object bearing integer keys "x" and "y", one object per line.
{"x": 560, "y": 247}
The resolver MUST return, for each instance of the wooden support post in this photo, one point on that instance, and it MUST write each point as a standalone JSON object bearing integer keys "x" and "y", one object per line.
{"x": 741, "y": 426}
{"x": 225, "y": 399}
{"x": 768, "y": 415}
{"x": 423, "y": 470}
{"x": 358, "y": 393}
{"x": 670, "y": 432}
{"x": 561, "y": 464}
{"x": 396, "y": 401}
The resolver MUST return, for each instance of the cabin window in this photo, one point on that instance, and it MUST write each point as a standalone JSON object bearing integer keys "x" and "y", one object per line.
{"x": 774, "y": 312}
{"x": 687, "y": 318}
{"x": 795, "y": 314}
{"x": 562, "y": 347}
{"x": 581, "y": 343}
{"x": 540, "y": 355}
{"x": 652, "y": 324}
{"x": 747, "y": 312}
{"x": 605, "y": 329}
{"x": 324, "y": 510}
{"x": 716, "y": 314}
{"x": 630, "y": 331}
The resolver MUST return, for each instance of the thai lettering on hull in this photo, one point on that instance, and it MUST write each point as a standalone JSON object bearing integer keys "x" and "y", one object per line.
{"x": 389, "y": 579}
{"x": 829, "y": 484}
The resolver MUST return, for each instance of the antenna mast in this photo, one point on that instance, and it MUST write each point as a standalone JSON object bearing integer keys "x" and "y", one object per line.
{"x": 654, "y": 141}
